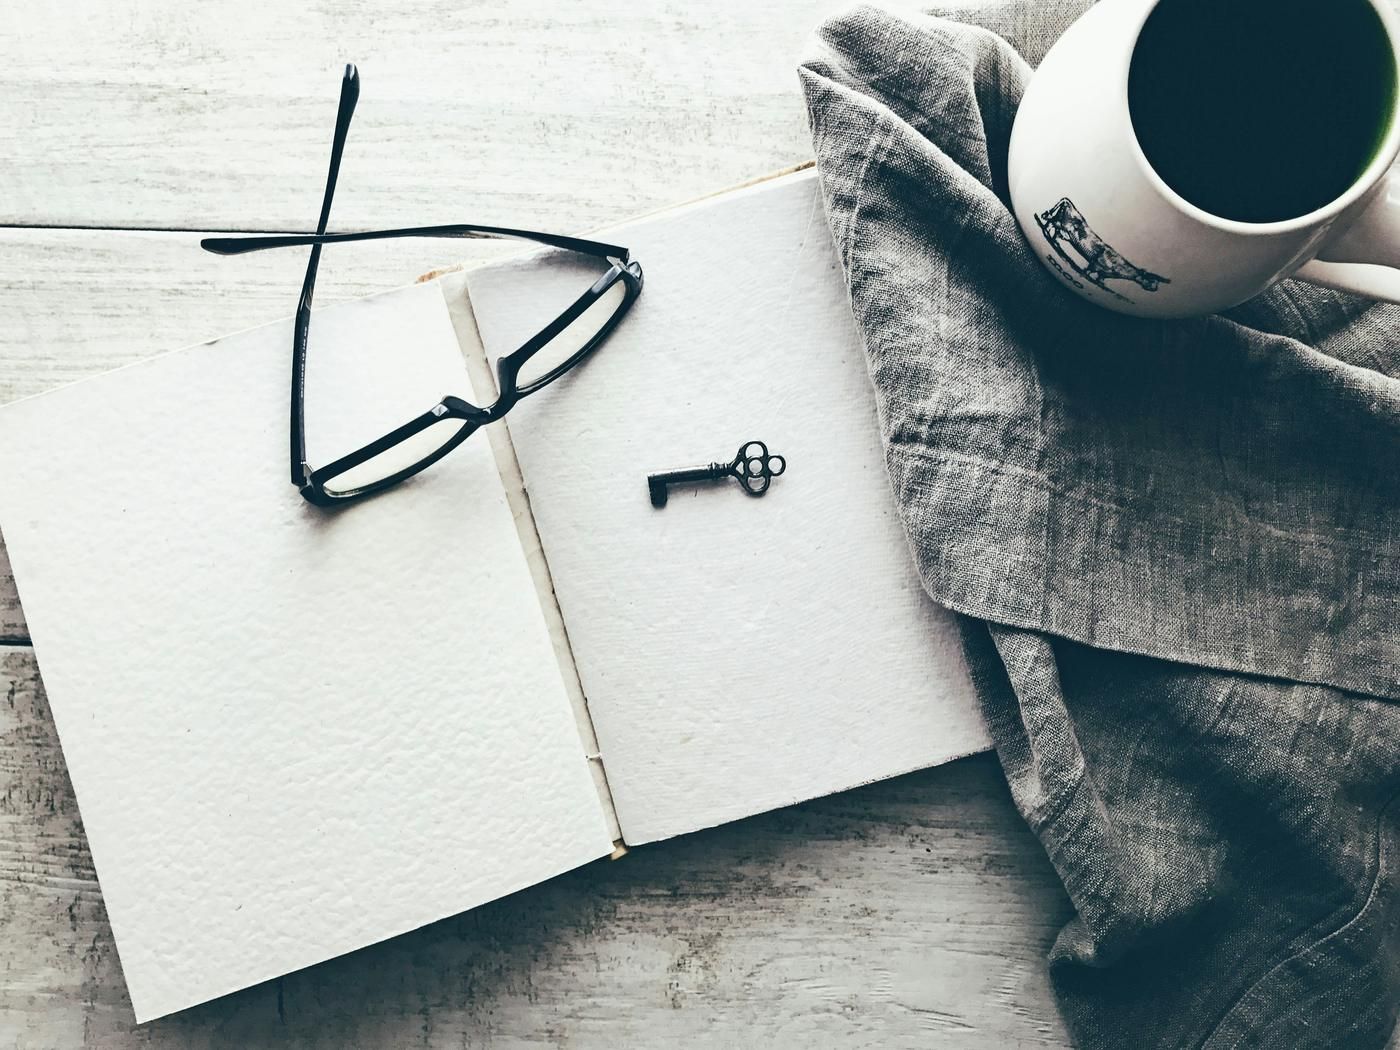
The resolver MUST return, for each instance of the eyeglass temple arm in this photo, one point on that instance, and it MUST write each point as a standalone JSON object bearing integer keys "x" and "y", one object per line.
{"x": 349, "y": 96}
{"x": 239, "y": 245}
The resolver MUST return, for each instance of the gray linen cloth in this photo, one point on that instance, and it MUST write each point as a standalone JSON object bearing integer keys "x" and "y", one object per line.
{"x": 1175, "y": 548}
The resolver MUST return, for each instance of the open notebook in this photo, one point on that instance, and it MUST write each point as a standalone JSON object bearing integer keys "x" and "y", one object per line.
{"x": 292, "y": 733}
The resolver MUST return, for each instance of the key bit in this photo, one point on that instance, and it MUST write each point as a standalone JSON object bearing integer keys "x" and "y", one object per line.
{"x": 752, "y": 466}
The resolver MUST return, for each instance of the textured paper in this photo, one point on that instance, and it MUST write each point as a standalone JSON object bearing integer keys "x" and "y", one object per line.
{"x": 291, "y": 732}
{"x": 738, "y": 654}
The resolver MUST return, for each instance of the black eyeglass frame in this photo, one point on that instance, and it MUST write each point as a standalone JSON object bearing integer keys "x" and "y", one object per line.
{"x": 312, "y": 482}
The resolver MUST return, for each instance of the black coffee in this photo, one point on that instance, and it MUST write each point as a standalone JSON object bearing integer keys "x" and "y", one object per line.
{"x": 1262, "y": 110}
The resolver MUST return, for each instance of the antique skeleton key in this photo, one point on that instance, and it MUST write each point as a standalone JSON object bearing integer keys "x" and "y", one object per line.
{"x": 752, "y": 466}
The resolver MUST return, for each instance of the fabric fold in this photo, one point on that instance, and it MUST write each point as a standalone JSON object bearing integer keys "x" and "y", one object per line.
{"x": 1217, "y": 491}
{"x": 1175, "y": 552}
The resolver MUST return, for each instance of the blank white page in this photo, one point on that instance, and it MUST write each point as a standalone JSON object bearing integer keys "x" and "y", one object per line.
{"x": 291, "y": 732}
{"x": 738, "y": 653}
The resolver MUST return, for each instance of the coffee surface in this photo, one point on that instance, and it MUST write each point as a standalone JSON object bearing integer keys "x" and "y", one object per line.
{"x": 1261, "y": 110}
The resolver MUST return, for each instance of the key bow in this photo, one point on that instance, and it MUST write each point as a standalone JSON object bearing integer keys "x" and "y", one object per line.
{"x": 756, "y": 467}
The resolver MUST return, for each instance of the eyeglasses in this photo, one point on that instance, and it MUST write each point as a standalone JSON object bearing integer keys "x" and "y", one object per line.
{"x": 421, "y": 442}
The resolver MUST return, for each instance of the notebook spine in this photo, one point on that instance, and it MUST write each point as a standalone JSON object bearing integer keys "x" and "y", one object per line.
{"x": 454, "y": 289}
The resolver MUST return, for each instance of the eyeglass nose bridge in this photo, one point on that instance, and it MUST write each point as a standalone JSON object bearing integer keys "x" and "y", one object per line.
{"x": 456, "y": 408}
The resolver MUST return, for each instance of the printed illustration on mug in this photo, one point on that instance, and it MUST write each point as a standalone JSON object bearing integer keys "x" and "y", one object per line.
{"x": 1088, "y": 254}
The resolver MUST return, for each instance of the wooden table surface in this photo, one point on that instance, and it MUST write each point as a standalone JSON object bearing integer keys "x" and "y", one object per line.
{"x": 916, "y": 912}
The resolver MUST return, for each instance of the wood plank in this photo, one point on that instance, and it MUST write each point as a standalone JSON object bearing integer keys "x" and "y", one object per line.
{"x": 81, "y": 302}
{"x": 913, "y": 912}
{"x": 12, "y": 625}
{"x": 172, "y": 115}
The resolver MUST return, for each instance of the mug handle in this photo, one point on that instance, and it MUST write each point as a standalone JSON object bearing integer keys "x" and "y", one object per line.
{"x": 1365, "y": 257}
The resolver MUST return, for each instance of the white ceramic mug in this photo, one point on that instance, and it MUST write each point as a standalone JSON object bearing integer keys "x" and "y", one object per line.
{"x": 1104, "y": 222}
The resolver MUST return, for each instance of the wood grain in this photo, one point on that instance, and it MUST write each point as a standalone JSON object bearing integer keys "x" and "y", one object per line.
{"x": 191, "y": 116}
{"x": 81, "y": 302}
{"x": 910, "y": 913}
{"x": 558, "y": 115}
{"x": 12, "y": 626}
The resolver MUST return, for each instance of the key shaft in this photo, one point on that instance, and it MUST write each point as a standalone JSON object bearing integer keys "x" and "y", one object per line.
{"x": 658, "y": 483}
